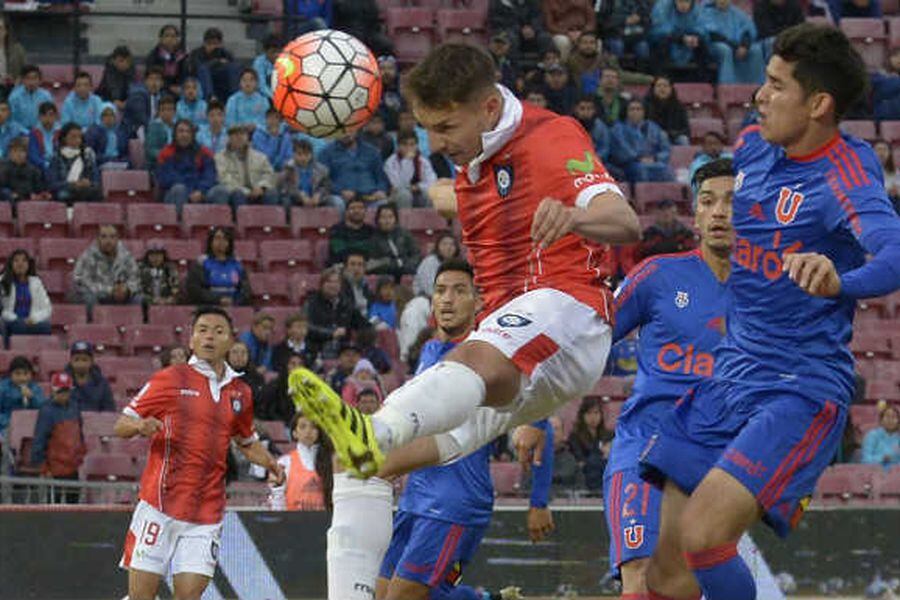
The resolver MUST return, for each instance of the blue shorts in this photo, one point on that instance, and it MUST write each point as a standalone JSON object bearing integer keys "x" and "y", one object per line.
{"x": 775, "y": 440}
{"x": 632, "y": 509}
{"x": 429, "y": 551}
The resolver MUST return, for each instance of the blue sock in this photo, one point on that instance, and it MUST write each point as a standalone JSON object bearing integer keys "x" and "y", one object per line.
{"x": 722, "y": 573}
{"x": 460, "y": 592}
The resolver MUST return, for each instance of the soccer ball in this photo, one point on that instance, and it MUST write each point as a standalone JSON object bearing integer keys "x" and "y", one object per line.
{"x": 326, "y": 83}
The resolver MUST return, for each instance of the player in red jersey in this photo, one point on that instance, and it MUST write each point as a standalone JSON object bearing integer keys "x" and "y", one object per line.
{"x": 191, "y": 413}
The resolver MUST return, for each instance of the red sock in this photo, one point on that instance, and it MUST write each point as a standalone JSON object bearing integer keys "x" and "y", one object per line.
{"x": 634, "y": 597}
{"x": 651, "y": 595}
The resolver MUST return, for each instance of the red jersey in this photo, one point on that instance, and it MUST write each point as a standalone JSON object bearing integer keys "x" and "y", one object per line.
{"x": 185, "y": 474}
{"x": 531, "y": 155}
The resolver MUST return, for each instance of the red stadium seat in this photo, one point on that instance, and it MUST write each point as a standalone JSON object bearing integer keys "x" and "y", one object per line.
{"x": 149, "y": 340}
{"x": 108, "y": 467}
{"x": 286, "y": 256}
{"x": 270, "y": 288}
{"x": 387, "y": 341}
{"x": 894, "y": 32}
{"x": 703, "y": 125}
{"x": 247, "y": 252}
{"x": 611, "y": 411}
{"x": 870, "y": 344}
{"x": 134, "y": 448}
{"x": 242, "y": 317}
{"x": 864, "y": 416}
{"x": 5, "y": 357}
{"x": 735, "y": 99}
{"x": 61, "y": 253}
{"x": 876, "y": 391}
{"x": 507, "y": 477}
{"x": 129, "y": 383}
{"x": 7, "y": 224}
{"x": 122, "y": 316}
{"x": 681, "y": 157}
{"x": 461, "y": 26}
{"x": 42, "y": 219}
{"x": 303, "y": 284}
{"x": 611, "y": 388}
{"x": 182, "y": 252}
{"x": 869, "y": 38}
{"x": 56, "y": 76}
{"x": 87, "y": 217}
{"x": 21, "y": 427}
{"x": 128, "y": 186}
{"x": 320, "y": 254}
{"x": 52, "y": 361}
{"x": 136, "y": 155}
{"x": 424, "y": 223}
{"x": 860, "y": 129}
{"x": 57, "y": 284}
{"x": 309, "y": 223}
{"x": 105, "y": 338}
{"x": 842, "y": 483}
{"x": 32, "y": 345}
{"x": 412, "y": 31}
{"x": 174, "y": 316}
{"x": 8, "y": 245}
{"x": 135, "y": 248}
{"x": 262, "y": 222}
{"x": 649, "y": 194}
{"x": 199, "y": 218}
{"x": 66, "y": 315}
{"x": 113, "y": 365}
{"x": 698, "y": 98}
{"x": 152, "y": 220}
{"x": 889, "y": 487}
{"x": 890, "y": 131}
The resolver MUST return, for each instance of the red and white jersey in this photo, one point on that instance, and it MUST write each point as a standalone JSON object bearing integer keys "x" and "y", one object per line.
{"x": 185, "y": 474}
{"x": 532, "y": 154}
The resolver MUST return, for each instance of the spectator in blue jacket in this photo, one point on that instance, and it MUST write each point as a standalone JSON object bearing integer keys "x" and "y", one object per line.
{"x": 82, "y": 106}
{"x": 213, "y": 134}
{"x": 732, "y": 37}
{"x": 9, "y": 129}
{"x": 274, "y": 140}
{"x": 109, "y": 139}
{"x": 264, "y": 64}
{"x": 356, "y": 170}
{"x": 191, "y": 106}
{"x": 307, "y": 15}
{"x": 886, "y": 90}
{"x": 678, "y": 34}
{"x": 42, "y": 140}
{"x": 218, "y": 277}
{"x": 185, "y": 170}
{"x": 247, "y": 106}
{"x": 881, "y": 446}
{"x": 143, "y": 101}
{"x": 18, "y": 390}
{"x": 58, "y": 449}
{"x": 91, "y": 390}
{"x": 258, "y": 341}
{"x": 641, "y": 147}
{"x": 27, "y": 97}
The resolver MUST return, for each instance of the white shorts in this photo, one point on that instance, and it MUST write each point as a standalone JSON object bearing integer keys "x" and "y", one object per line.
{"x": 560, "y": 345}
{"x": 156, "y": 540}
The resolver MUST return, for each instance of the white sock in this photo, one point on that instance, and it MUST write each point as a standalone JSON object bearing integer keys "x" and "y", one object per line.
{"x": 360, "y": 533}
{"x": 437, "y": 400}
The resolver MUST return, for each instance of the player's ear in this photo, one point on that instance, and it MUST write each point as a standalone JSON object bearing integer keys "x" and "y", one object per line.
{"x": 821, "y": 104}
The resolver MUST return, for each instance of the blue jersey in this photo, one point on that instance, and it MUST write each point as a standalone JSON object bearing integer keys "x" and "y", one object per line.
{"x": 461, "y": 492}
{"x": 831, "y": 202}
{"x": 678, "y": 306}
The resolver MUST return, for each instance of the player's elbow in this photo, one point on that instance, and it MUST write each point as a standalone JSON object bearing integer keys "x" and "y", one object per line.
{"x": 630, "y": 227}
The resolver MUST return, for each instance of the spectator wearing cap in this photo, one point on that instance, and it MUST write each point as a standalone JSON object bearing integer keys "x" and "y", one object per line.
{"x": 712, "y": 149}
{"x": 881, "y": 445}
{"x": 118, "y": 76}
{"x": 27, "y": 97}
{"x": 347, "y": 360}
{"x": 259, "y": 341}
{"x": 73, "y": 174}
{"x": 566, "y": 20}
{"x": 264, "y": 64}
{"x": 143, "y": 99}
{"x": 393, "y": 250}
{"x": 159, "y": 132}
{"x": 559, "y": 91}
{"x": 356, "y": 170}
{"x": 245, "y": 174}
{"x": 159, "y": 276}
{"x": 218, "y": 277}
{"x": 667, "y": 234}
{"x": 191, "y": 105}
{"x": 23, "y": 297}
{"x": 732, "y": 37}
{"x": 247, "y": 106}
{"x": 82, "y": 106}
{"x": 18, "y": 390}
{"x": 214, "y": 66}
{"x": 91, "y": 390}
{"x": 168, "y": 56}
{"x": 185, "y": 171}
{"x": 273, "y": 140}
{"x": 106, "y": 272}
{"x": 304, "y": 181}
{"x": 43, "y": 137}
{"x": 109, "y": 139}
{"x": 58, "y": 449}
{"x": 333, "y": 318}
{"x": 641, "y": 147}
{"x": 307, "y": 15}
{"x": 296, "y": 328}
{"x": 9, "y": 129}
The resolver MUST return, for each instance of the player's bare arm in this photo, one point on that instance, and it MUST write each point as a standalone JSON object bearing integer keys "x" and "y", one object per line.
{"x": 443, "y": 197}
{"x": 608, "y": 219}
{"x": 813, "y": 273}
{"x": 256, "y": 453}
{"x": 128, "y": 427}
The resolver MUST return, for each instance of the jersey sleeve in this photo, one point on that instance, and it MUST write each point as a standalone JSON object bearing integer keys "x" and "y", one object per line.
{"x": 633, "y": 297}
{"x": 566, "y": 164}
{"x": 154, "y": 399}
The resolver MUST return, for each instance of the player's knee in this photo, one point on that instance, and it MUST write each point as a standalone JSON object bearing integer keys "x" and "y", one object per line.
{"x": 634, "y": 576}
{"x": 401, "y": 589}
{"x": 695, "y": 533}
{"x": 501, "y": 377}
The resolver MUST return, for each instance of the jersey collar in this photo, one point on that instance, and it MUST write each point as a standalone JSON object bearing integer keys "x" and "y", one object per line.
{"x": 817, "y": 154}
{"x": 215, "y": 384}
{"x": 496, "y": 138}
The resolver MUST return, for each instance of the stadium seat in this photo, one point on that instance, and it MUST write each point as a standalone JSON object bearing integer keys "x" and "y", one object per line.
{"x": 424, "y": 223}
{"x": 633, "y": 90}
{"x": 105, "y": 338}
{"x": 177, "y": 317}
{"x": 889, "y": 486}
{"x": 56, "y": 75}
{"x": 870, "y": 344}
{"x": 128, "y": 186}
{"x": 733, "y": 128}
{"x": 310, "y": 223}
{"x": 259, "y": 222}
{"x": 52, "y": 361}
{"x": 387, "y": 341}
{"x": 108, "y": 467}
{"x": 877, "y": 369}
{"x": 876, "y": 391}
{"x": 648, "y": 194}
{"x": 87, "y": 217}
{"x": 860, "y": 129}
{"x": 135, "y": 248}
{"x": 7, "y": 224}
{"x": 99, "y": 423}
{"x": 843, "y": 483}
{"x": 681, "y": 157}
{"x": 303, "y": 284}
{"x": 461, "y": 26}
{"x": 66, "y": 315}
{"x": 611, "y": 411}
{"x": 134, "y": 448}
{"x": 111, "y": 366}
{"x": 610, "y": 388}
{"x": 149, "y": 340}
{"x": 182, "y": 252}
{"x": 247, "y": 252}
{"x": 42, "y": 219}
{"x": 5, "y": 357}
{"x": 129, "y": 383}
{"x": 286, "y": 256}
{"x": 61, "y": 253}
{"x": 57, "y": 283}
{"x": 275, "y": 429}
{"x": 890, "y": 7}
{"x": 152, "y": 220}
{"x": 242, "y": 317}
{"x": 507, "y": 478}
{"x": 8, "y": 245}
{"x": 894, "y": 32}
{"x": 122, "y": 316}
{"x": 890, "y": 131}
{"x": 21, "y": 427}
{"x": 864, "y": 416}
{"x": 197, "y": 219}
{"x": 869, "y": 38}
{"x": 320, "y": 255}
{"x": 698, "y": 98}
{"x": 412, "y": 31}
{"x": 136, "y": 155}
{"x": 735, "y": 99}
{"x": 32, "y": 345}
{"x": 270, "y": 288}
{"x": 702, "y": 125}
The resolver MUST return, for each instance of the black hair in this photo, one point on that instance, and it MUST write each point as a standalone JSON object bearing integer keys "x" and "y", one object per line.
{"x": 390, "y": 206}
{"x": 324, "y": 465}
{"x": 211, "y": 310}
{"x": 252, "y": 72}
{"x": 406, "y": 135}
{"x": 455, "y": 264}
{"x": 154, "y": 70}
{"x": 6, "y": 280}
{"x": 84, "y": 75}
{"x": 166, "y": 27}
{"x": 451, "y": 74}
{"x": 213, "y": 33}
{"x": 273, "y": 111}
{"x": 120, "y": 52}
{"x": 440, "y": 237}
{"x": 300, "y": 144}
{"x": 356, "y": 252}
{"x": 71, "y": 125}
{"x": 187, "y": 122}
{"x": 229, "y": 235}
{"x": 47, "y": 107}
{"x": 20, "y": 143}
{"x": 721, "y": 167}
{"x": 3, "y": 100}
{"x": 167, "y": 100}
{"x": 30, "y": 69}
{"x": 824, "y": 62}
{"x": 585, "y": 98}
{"x": 354, "y": 200}
{"x": 214, "y": 105}
{"x": 165, "y": 357}
{"x": 20, "y": 363}
{"x": 272, "y": 41}
{"x": 581, "y": 432}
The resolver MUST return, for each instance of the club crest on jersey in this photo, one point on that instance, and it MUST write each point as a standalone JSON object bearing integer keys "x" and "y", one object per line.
{"x": 513, "y": 320}
{"x": 504, "y": 176}
{"x": 236, "y": 404}
{"x": 739, "y": 181}
{"x": 681, "y": 299}
{"x": 634, "y": 536}
{"x": 789, "y": 203}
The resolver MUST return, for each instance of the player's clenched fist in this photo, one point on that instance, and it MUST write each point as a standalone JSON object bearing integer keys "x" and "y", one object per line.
{"x": 276, "y": 474}
{"x": 149, "y": 426}
{"x": 814, "y": 273}
{"x": 540, "y": 523}
{"x": 552, "y": 220}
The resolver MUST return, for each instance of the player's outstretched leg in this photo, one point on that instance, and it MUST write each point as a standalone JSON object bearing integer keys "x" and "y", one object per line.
{"x": 715, "y": 517}
{"x": 667, "y": 575}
